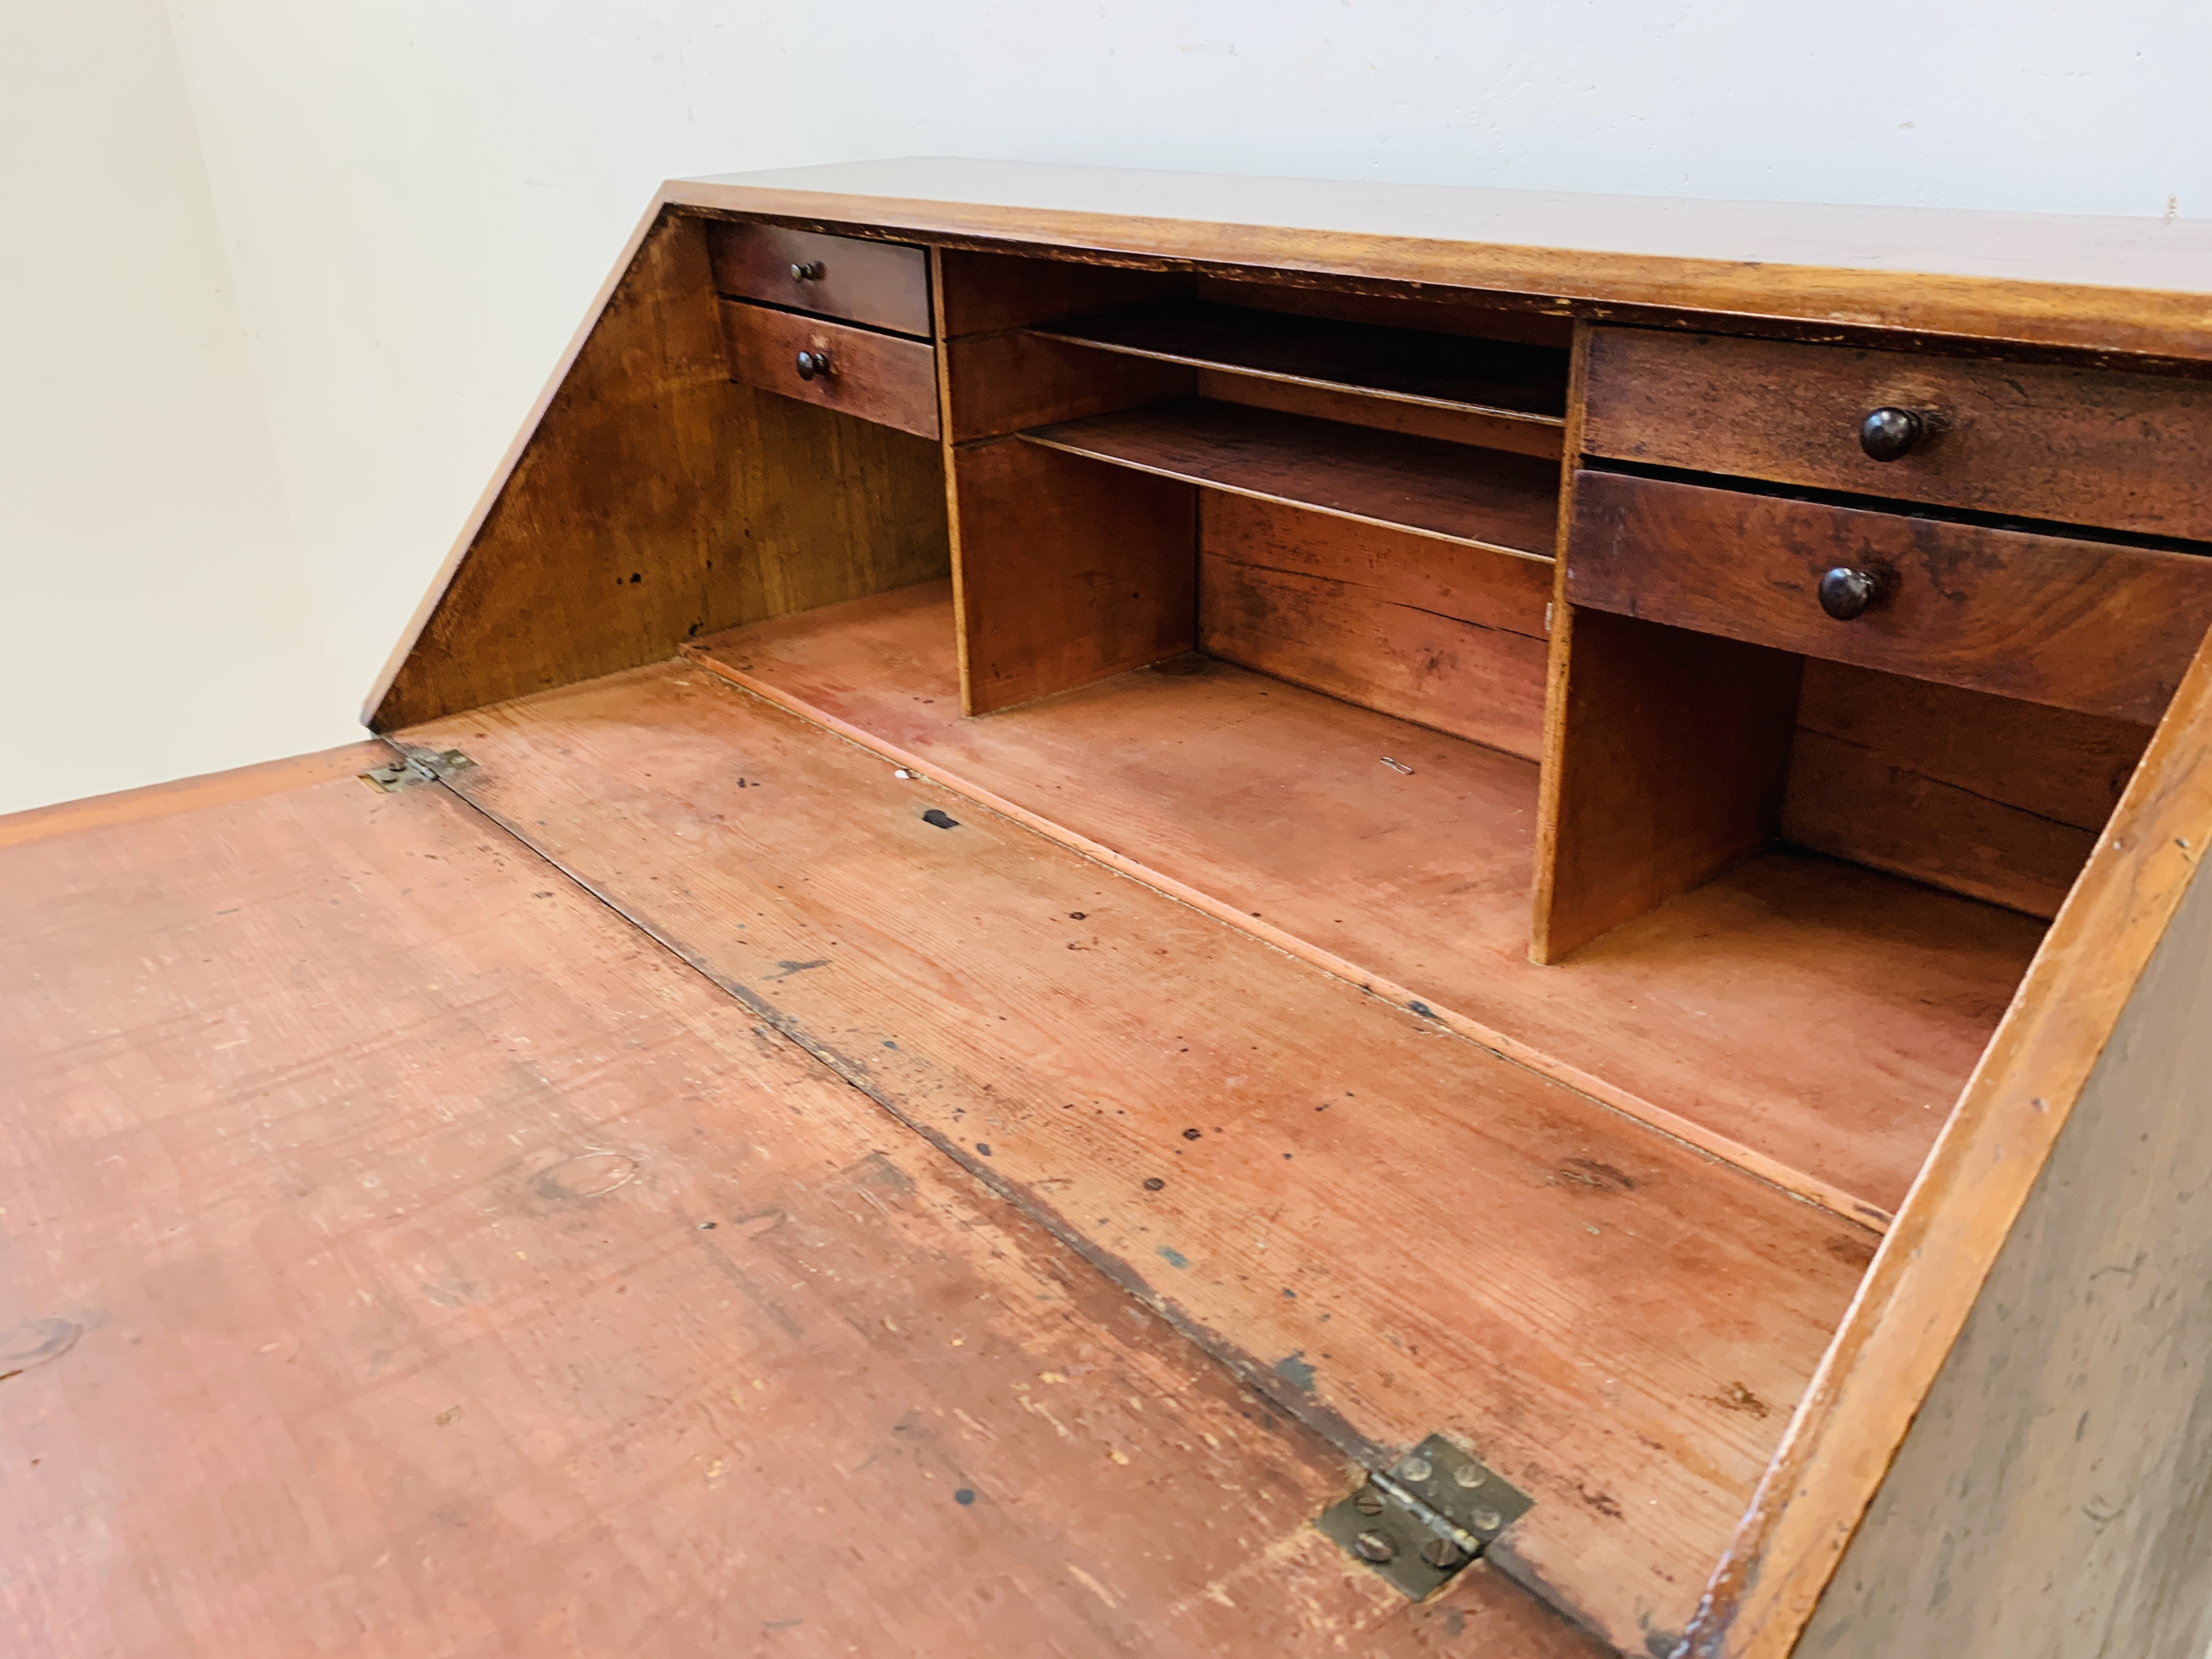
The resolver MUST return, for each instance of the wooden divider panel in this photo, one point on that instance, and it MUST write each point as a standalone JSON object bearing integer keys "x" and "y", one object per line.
{"x": 1447, "y": 635}
{"x": 1672, "y": 751}
{"x": 650, "y": 499}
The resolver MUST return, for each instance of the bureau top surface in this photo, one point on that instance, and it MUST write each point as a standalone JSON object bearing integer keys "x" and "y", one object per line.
{"x": 2132, "y": 285}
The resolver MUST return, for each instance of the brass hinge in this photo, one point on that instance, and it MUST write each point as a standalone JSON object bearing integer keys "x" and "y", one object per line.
{"x": 416, "y": 766}
{"x": 1425, "y": 1517}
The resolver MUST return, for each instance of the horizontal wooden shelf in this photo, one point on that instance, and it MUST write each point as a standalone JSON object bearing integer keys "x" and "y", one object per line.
{"x": 1272, "y": 807}
{"x": 1484, "y": 498}
{"x": 1489, "y": 377}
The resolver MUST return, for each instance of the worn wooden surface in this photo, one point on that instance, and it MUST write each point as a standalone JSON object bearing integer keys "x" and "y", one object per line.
{"x": 2036, "y": 440}
{"x": 1399, "y": 364}
{"x": 1271, "y": 1155}
{"x": 872, "y": 376}
{"x": 1479, "y": 497}
{"x": 1068, "y": 571}
{"x": 1993, "y": 1150}
{"x": 881, "y": 284}
{"x": 2107, "y": 284}
{"x": 407, "y": 1257}
{"x": 1988, "y": 796}
{"x": 2092, "y": 626}
{"x": 2053, "y": 1498}
{"x": 649, "y": 499}
{"x": 1240, "y": 795}
{"x": 1669, "y": 754}
{"x": 1439, "y": 314}
{"x": 1444, "y": 635}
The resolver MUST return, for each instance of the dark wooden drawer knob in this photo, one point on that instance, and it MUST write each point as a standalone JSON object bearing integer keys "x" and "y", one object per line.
{"x": 812, "y": 363}
{"x": 809, "y": 272}
{"x": 1845, "y": 593}
{"x": 1888, "y": 434}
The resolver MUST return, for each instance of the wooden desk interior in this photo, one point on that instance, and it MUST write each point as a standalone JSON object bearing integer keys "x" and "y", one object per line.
{"x": 1473, "y": 818}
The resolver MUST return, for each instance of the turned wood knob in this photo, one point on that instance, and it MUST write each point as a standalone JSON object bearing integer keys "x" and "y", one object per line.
{"x": 808, "y": 272}
{"x": 1845, "y": 593}
{"x": 1888, "y": 434}
{"x": 812, "y": 363}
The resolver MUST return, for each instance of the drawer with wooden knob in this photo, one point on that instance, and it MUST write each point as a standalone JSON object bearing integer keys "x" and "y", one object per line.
{"x": 2062, "y": 442}
{"x": 859, "y": 371}
{"x": 2098, "y": 626}
{"x": 881, "y": 284}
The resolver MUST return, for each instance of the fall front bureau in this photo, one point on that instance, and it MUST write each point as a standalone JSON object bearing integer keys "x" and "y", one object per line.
{"x": 1562, "y": 829}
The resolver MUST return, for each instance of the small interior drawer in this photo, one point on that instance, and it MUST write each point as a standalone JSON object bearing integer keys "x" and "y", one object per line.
{"x": 881, "y": 284}
{"x": 2042, "y": 440}
{"x": 878, "y": 377}
{"x": 2099, "y": 626}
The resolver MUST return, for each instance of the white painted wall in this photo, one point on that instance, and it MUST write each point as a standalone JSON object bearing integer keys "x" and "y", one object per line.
{"x": 419, "y": 196}
{"x": 156, "y": 621}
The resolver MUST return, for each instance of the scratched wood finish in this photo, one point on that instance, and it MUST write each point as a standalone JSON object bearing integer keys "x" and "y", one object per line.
{"x": 2049, "y": 1500}
{"x": 1244, "y": 795}
{"x": 881, "y": 284}
{"x": 2037, "y": 441}
{"x": 408, "y": 1257}
{"x": 1442, "y": 635}
{"x": 1671, "y": 752}
{"x": 649, "y": 500}
{"x": 1269, "y": 1153}
{"x": 872, "y": 376}
{"x": 2095, "y": 627}
{"x": 1478, "y": 497}
{"x": 1988, "y": 796}
{"x": 1996, "y": 1147}
{"x": 1069, "y": 572}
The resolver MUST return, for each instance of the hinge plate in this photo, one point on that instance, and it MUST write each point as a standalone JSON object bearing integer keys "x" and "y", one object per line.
{"x": 416, "y": 766}
{"x": 1426, "y": 1517}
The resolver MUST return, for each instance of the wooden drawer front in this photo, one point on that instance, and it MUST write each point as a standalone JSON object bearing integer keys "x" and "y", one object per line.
{"x": 883, "y": 284}
{"x": 878, "y": 377}
{"x": 2079, "y": 446}
{"x": 2091, "y": 626}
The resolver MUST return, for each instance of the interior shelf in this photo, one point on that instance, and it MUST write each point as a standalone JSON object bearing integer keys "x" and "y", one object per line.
{"x": 1272, "y": 807}
{"x": 1489, "y": 377}
{"x": 1453, "y": 492}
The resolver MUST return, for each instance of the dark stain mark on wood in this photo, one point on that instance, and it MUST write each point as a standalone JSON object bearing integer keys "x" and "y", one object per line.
{"x": 1589, "y": 1172}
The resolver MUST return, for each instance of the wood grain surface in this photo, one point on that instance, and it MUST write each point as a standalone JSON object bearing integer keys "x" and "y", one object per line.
{"x": 2050, "y": 1499}
{"x": 2123, "y": 285}
{"x": 1478, "y": 497}
{"x": 872, "y": 376}
{"x": 880, "y": 284}
{"x": 1994, "y": 1149}
{"x": 2036, "y": 440}
{"x": 1068, "y": 571}
{"x": 2093, "y": 626}
{"x": 648, "y": 499}
{"x": 1669, "y": 753}
{"x": 1240, "y": 795}
{"x": 408, "y": 1258}
{"x": 1440, "y": 635}
{"x": 1389, "y": 1228}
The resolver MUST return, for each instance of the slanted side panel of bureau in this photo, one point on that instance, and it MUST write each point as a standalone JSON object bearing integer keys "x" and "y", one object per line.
{"x": 2054, "y": 1496}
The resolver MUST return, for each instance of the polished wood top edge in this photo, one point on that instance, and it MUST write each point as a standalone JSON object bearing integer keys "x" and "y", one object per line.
{"x": 2106, "y": 316}
{"x": 1923, "y": 1284}
{"x": 160, "y": 800}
